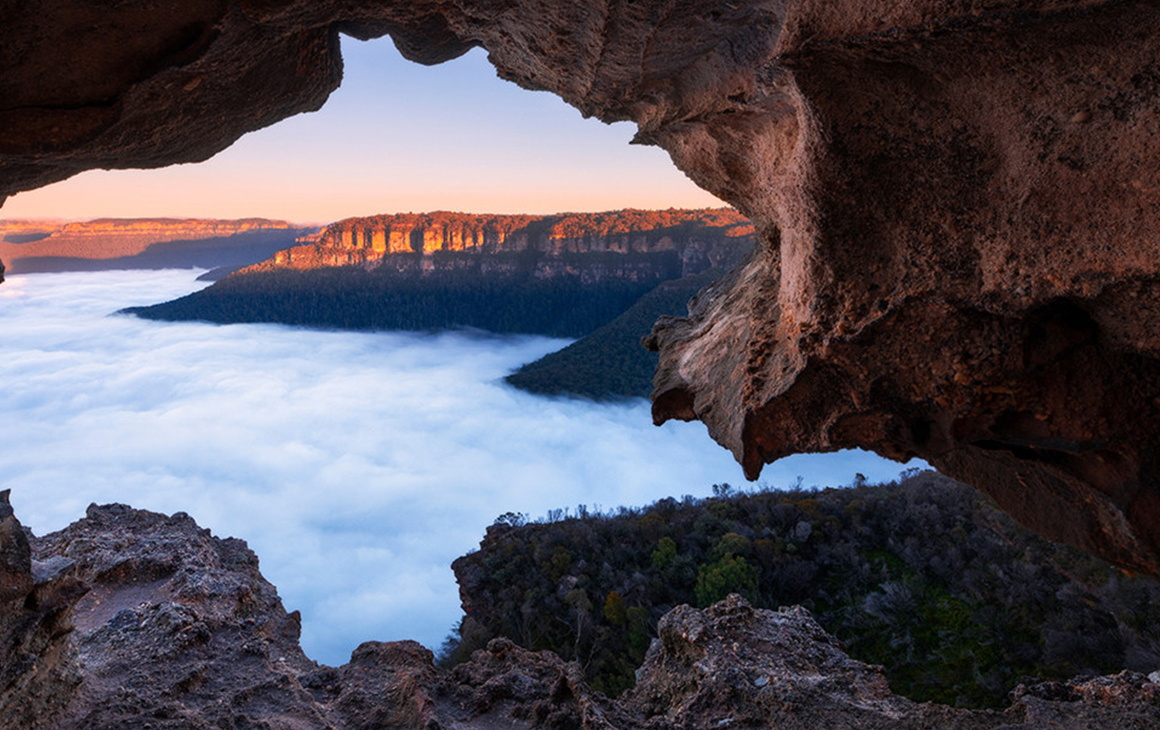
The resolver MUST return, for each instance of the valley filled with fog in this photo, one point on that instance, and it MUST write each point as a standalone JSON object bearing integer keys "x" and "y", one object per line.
{"x": 356, "y": 465}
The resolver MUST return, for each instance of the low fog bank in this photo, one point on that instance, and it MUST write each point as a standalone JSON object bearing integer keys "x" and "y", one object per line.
{"x": 357, "y": 465}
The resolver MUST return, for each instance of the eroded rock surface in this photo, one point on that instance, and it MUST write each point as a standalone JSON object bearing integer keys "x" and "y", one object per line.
{"x": 132, "y": 619}
{"x": 961, "y": 272}
{"x": 731, "y": 665}
{"x": 958, "y": 201}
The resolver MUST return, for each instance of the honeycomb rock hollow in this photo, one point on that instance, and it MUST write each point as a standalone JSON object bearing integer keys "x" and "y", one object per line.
{"x": 957, "y": 201}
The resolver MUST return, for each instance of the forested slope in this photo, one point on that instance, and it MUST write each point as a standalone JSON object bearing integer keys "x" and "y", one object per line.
{"x": 925, "y": 577}
{"x": 610, "y": 362}
{"x": 351, "y": 297}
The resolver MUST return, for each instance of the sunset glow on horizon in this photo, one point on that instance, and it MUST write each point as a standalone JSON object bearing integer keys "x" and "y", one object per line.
{"x": 395, "y": 137}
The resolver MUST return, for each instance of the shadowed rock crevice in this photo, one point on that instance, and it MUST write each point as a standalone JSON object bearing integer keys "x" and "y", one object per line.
{"x": 956, "y": 201}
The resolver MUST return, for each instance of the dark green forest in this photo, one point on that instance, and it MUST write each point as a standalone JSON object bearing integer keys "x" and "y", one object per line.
{"x": 607, "y": 300}
{"x": 610, "y": 363}
{"x": 352, "y": 298}
{"x": 924, "y": 576}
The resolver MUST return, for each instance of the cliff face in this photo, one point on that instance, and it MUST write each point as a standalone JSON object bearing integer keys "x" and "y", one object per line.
{"x": 562, "y": 275}
{"x": 131, "y": 619}
{"x": 152, "y": 243}
{"x": 21, "y": 230}
{"x": 108, "y": 238}
{"x": 956, "y": 201}
{"x": 553, "y": 245}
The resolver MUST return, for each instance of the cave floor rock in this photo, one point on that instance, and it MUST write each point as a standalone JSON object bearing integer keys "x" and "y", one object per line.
{"x": 132, "y": 619}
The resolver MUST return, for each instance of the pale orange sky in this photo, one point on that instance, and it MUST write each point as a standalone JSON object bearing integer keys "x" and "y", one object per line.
{"x": 396, "y": 137}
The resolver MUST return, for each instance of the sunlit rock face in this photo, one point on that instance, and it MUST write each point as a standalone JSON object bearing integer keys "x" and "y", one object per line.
{"x": 107, "y": 238}
{"x": 958, "y": 201}
{"x": 685, "y": 241}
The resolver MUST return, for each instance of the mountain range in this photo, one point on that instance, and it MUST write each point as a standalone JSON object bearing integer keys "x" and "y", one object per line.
{"x": 33, "y": 246}
{"x": 600, "y": 277}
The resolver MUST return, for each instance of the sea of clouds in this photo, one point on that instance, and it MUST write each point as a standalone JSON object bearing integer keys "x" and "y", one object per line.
{"x": 356, "y": 465}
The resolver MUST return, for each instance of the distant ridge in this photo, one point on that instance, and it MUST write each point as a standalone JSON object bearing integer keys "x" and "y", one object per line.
{"x": 562, "y": 275}
{"x": 700, "y": 237}
{"x": 29, "y": 246}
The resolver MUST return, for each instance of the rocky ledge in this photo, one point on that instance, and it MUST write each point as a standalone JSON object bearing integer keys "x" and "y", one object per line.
{"x": 132, "y": 619}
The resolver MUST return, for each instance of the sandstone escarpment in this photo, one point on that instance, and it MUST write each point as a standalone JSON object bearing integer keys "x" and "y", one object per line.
{"x": 23, "y": 230}
{"x": 700, "y": 239}
{"x": 957, "y": 201}
{"x": 560, "y": 275}
{"x": 116, "y": 238}
{"x": 143, "y": 243}
{"x": 132, "y": 619}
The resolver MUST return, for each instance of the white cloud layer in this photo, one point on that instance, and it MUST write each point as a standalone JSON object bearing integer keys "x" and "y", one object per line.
{"x": 357, "y": 465}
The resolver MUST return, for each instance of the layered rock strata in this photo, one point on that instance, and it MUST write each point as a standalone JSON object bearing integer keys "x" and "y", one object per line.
{"x": 23, "y": 230}
{"x": 132, "y": 619}
{"x": 957, "y": 201}
{"x": 700, "y": 239}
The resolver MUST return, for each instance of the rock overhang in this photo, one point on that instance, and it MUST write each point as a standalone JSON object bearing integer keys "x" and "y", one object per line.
{"x": 957, "y": 201}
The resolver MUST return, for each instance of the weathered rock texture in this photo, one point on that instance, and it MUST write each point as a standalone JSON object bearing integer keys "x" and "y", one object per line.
{"x": 958, "y": 200}
{"x": 131, "y": 619}
{"x": 695, "y": 239}
{"x": 965, "y": 268}
{"x": 731, "y": 665}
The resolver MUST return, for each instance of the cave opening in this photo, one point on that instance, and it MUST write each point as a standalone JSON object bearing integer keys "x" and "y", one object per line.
{"x": 395, "y": 137}
{"x": 1044, "y": 219}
